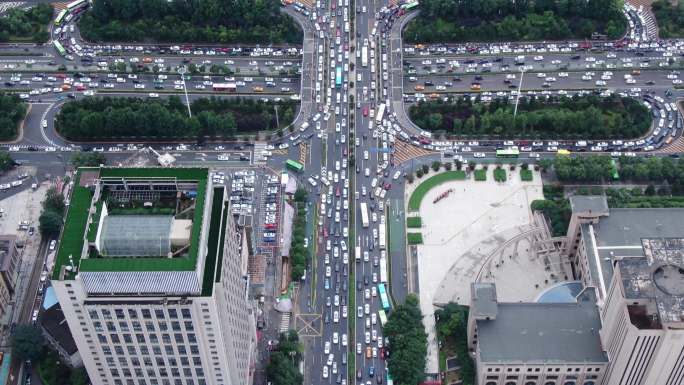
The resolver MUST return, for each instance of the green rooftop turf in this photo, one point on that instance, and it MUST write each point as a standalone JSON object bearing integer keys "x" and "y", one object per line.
{"x": 75, "y": 227}
{"x": 212, "y": 242}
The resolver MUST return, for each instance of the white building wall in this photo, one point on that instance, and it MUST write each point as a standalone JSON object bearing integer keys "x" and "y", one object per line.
{"x": 142, "y": 340}
{"x": 154, "y": 341}
{"x": 638, "y": 357}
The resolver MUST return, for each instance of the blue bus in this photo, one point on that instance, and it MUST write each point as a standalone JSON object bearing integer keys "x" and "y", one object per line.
{"x": 338, "y": 77}
{"x": 383, "y": 296}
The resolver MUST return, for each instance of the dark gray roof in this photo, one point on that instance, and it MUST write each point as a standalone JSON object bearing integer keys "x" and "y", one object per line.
{"x": 620, "y": 233}
{"x": 596, "y": 204}
{"x": 55, "y": 324}
{"x": 483, "y": 303}
{"x": 543, "y": 333}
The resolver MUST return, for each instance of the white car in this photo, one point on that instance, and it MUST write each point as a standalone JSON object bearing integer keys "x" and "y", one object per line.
{"x": 368, "y": 337}
{"x": 396, "y": 175}
{"x": 366, "y": 308}
{"x": 326, "y": 347}
{"x": 335, "y": 338}
{"x": 325, "y": 372}
{"x": 479, "y": 155}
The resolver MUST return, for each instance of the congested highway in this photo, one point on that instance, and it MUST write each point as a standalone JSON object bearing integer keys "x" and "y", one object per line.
{"x": 354, "y": 79}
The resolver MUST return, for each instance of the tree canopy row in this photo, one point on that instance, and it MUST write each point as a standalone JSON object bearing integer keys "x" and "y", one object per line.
{"x": 670, "y": 17}
{"x": 211, "y": 21}
{"x": 597, "y": 168}
{"x": 299, "y": 255}
{"x": 12, "y": 111}
{"x": 110, "y": 118}
{"x": 407, "y": 342}
{"x": 30, "y": 24}
{"x": 577, "y": 117}
{"x": 505, "y": 20}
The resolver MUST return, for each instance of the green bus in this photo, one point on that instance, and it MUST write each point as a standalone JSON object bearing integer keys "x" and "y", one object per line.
{"x": 59, "y": 48}
{"x": 294, "y": 166}
{"x": 508, "y": 153}
{"x": 614, "y": 170}
{"x": 60, "y": 17}
{"x": 409, "y": 5}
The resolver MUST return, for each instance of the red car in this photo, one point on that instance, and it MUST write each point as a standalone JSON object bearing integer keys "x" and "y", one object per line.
{"x": 365, "y": 111}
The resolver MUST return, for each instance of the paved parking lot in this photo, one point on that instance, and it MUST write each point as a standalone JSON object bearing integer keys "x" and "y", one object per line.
{"x": 476, "y": 216}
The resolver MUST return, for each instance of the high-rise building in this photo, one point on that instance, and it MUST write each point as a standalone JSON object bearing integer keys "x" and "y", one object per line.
{"x": 149, "y": 276}
{"x": 634, "y": 257}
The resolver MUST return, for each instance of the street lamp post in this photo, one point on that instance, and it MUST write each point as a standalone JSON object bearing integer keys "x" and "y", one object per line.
{"x": 517, "y": 99}
{"x": 181, "y": 71}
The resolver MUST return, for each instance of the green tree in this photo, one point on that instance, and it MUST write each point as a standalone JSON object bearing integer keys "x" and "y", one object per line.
{"x": 27, "y": 342}
{"x": 50, "y": 223}
{"x": 425, "y": 168}
{"x": 436, "y": 165}
{"x": 282, "y": 368}
{"x": 88, "y": 159}
{"x": 54, "y": 201}
{"x": 301, "y": 195}
{"x": 6, "y": 161}
{"x": 408, "y": 340}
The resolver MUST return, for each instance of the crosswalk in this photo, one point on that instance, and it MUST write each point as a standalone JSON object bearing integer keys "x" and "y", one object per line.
{"x": 404, "y": 152}
{"x": 650, "y": 24}
{"x": 259, "y": 147}
{"x": 59, "y": 6}
{"x": 285, "y": 323}
{"x": 303, "y": 149}
{"x": 4, "y": 7}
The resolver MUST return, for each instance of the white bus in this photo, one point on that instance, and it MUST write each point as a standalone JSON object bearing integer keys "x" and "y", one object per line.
{"x": 357, "y": 253}
{"x": 380, "y": 114}
{"x": 364, "y": 56}
{"x": 364, "y": 214}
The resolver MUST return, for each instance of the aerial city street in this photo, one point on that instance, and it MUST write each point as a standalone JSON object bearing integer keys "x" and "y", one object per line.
{"x": 341, "y": 192}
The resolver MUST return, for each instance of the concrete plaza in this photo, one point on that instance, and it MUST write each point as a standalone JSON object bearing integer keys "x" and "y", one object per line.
{"x": 481, "y": 229}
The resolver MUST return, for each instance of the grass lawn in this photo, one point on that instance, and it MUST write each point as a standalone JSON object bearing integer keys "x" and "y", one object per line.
{"x": 480, "y": 175}
{"x": 500, "y": 175}
{"x": 428, "y": 184}
{"x": 456, "y": 345}
{"x": 414, "y": 222}
{"x": 414, "y": 238}
{"x": 526, "y": 175}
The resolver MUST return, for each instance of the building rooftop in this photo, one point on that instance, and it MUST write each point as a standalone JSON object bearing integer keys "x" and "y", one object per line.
{"x": 121, "y": 192}
{"x": 543, "y": 332}
{"x": 483, "y": 303}
{"x": 595, "y": 204}
{"x": 7, "y": 249}
{"x": 620, "y": 234}
{"x": 659, "y": 277}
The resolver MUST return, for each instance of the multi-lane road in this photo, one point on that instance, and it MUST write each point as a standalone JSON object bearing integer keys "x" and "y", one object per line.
{"x": 351, "y": 68}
